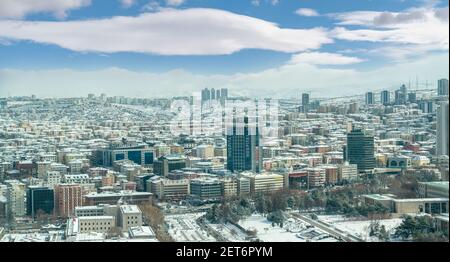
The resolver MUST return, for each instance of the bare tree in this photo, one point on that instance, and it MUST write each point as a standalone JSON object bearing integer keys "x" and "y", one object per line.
{"x": 155, "y": 219}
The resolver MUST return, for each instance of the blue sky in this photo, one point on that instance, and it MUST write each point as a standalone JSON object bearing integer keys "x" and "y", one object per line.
{"x": 169, "y": 47}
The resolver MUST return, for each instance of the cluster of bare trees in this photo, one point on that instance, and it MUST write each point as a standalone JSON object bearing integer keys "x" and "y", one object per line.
{"x": 155, "y": 218}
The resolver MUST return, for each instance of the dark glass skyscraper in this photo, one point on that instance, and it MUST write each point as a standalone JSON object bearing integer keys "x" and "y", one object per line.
{"x": 40, "y": 199}
{"x": 305, "y": 103}
{"x": 385, "y": 97}
{"x": 443, "y": 87}
{"x": 360, "y": 150}
{"x": 370, "y": 98}
{"x": 244, "y": 151}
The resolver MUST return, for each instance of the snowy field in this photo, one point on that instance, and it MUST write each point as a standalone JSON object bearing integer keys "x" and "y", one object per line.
{"x": 293, "y": 230}
{"x": 184, "y": 228}
{"x": 359, "y": 227}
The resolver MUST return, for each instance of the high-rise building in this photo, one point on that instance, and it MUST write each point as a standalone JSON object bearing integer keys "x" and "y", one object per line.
{"x": 412, "y": 97}
{"x": 442, "y": 129}
{"x": 385, "y": 97}
{"x": 218, "y": 95}
{"x": 353, "y": 108}
{"x": 244, "y": 151}
{"x": 206, "y": 95}
{"x": 401, "y": 95}
{"x": 305, "y": 102}
{"x": 224, "y": 93}
{"x": 404, "y": 91}
{"x": 39, "y": 200}
{"x": 360, "y": 150}
{"x": 443, "y": 87}
{"x": 213, "y": 94}
{"x": 3, "y": 104}
{"x": 426, "y": 106}
{"x": 370, "y": 98}
{"x": 15, "y": 198}
{"x": 67, "y": 197}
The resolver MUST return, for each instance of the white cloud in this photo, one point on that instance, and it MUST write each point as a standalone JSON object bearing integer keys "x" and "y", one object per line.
{"x": 418, "y": 29}
{"x": 16, "y": 9}
{"x": 174, "y": 2}
{"x": 282, "y": 82}
{"x": 256, "y": 2}
{"x": 306, "y": 12}
{"x": 169, "y": 32}
{"x": 442, "y": 13}
{"x": 322, "y": 58}
{"x": 127, "y": 3}
{"x": 151, "y": 6}
{"x": 392, "y": 19}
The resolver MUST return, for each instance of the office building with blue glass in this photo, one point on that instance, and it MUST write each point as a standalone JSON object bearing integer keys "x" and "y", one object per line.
{"x": 40, "y": 200}
{"x": 244, "y": 152}
{"x": 140, "y": 154}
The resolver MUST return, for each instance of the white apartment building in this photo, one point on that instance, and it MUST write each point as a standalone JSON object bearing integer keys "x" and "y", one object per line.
{"x": 348, "y": 172}
{"x": 16, "y": 198}
{"x": 77, "y": 179}
{"x": 53, "y": 178}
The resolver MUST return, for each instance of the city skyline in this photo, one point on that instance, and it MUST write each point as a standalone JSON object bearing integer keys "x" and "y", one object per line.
{"x": 228, "y": 121}
{"x": 327, "y": 49}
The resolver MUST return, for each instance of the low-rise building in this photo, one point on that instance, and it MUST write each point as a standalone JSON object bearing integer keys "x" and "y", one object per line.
{"x": 130, "y": 216}
{"x": 316, "y": 177}
{"x": 347, "y": 172}
{"x": 264, "y": 183}
{"x": 206, "y": 188}
{"x": 141, "y": 232}
{"x": 169, "y": 189}
{"x": 99, "y": 224}
{"x": 111, "y": 198}
{"x": 410, "y": 205}
{"x": 229, "y": 186}
{"x": 89, "y": 211}
{"x": 434, "y": 189}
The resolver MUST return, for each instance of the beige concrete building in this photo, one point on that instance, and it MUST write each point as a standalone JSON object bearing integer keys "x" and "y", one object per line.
{"x": 130, "y": 216}
{"x": 89, "y": 224}
{"x": 264, "y": 183}
{"x": 229, "y": 187}
{"x": 169, "y": 189}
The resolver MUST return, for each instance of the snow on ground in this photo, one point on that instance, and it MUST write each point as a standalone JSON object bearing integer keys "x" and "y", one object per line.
{"x": 293, "y": 230}
{"x": 230, "y": 232}
{"x": 33, "y": 237}
{"x": 357, "y": 226}
{"x": 184, "y": 228}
